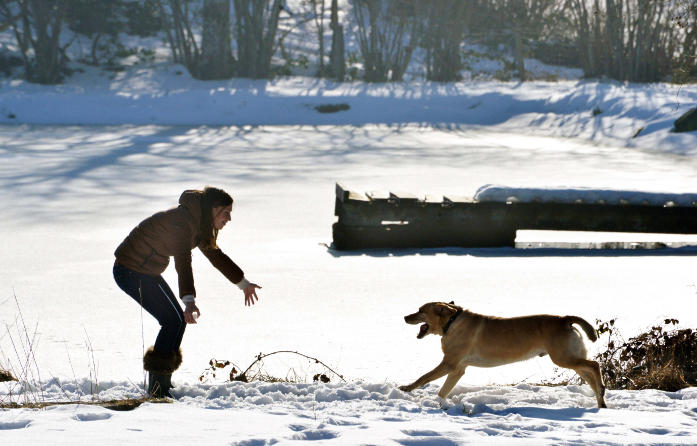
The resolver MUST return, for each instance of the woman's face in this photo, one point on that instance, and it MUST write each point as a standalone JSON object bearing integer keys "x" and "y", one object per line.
{"x": 221, "y": 215}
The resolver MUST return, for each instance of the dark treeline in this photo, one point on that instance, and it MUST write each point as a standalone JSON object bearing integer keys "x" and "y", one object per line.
{"x": 628, "y": 40}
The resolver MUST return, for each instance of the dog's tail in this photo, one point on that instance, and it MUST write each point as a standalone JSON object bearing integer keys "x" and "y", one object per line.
{"x": 588, "y": 328}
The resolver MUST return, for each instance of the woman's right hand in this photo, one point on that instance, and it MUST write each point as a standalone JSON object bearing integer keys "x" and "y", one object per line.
{"x": 191, "y": 313}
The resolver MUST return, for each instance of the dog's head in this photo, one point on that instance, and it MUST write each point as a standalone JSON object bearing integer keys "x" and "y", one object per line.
{"x": 433, "y": 316}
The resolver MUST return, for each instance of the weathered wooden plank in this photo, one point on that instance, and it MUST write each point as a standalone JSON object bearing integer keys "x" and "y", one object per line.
{"x": 357, "y": 196}
{"x": 403, "y": 198}
{"x": 604, "y": 217}
{"x": 452, "y": 200}
{"x": 409, "y": 236}
{"x": 343, "y": 194}
{"x": 458, "y": 199}
{"x": 378, "y": 195}
{"x": 432, "y": 199}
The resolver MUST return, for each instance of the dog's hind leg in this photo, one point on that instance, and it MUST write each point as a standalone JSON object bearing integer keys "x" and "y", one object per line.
{"x": 590, "y": 372}
{"x": 450, "y": 382}
{"x": 595, "y": 380}
{"x": 441, "y": 370}
{"x": 567, "y": 350}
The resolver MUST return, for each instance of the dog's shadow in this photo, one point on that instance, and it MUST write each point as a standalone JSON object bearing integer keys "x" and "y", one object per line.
{"x": 542, "y": 413}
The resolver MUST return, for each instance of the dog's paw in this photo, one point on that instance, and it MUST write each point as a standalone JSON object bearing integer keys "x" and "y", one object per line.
{"x": 406, "y": 388}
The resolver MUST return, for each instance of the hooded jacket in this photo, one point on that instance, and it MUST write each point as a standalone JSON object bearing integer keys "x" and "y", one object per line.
{"x": 173, "y": 233}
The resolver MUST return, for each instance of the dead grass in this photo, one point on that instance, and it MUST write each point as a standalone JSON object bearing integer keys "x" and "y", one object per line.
{"x": 118, "y": 405}
{"x": 26, "y": 387}
{"x": 662, "y": 358}
{"x": 6, "y": 375}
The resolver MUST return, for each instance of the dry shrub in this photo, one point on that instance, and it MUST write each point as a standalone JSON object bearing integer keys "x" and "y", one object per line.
{"x": 256, "y": 370}
{"x": 5, "y": 375}
{"x": 662, "y": 358}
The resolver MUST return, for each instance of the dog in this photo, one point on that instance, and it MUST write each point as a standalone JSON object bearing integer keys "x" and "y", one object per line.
{"x": 487, "y": 341}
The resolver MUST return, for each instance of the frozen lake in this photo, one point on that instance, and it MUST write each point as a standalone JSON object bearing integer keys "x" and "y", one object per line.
{"x": 70, "y": 195}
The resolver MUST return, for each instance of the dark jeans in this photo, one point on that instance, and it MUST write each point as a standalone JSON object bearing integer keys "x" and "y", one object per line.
{"x": 156, "y": 297}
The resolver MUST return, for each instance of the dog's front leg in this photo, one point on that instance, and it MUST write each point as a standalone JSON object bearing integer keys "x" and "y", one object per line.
{"x": 450, "y": 382}
{"x": 441, "y": 370}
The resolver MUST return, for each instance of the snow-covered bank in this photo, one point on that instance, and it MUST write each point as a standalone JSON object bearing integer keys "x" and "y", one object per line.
{"x": 603, "y": 112}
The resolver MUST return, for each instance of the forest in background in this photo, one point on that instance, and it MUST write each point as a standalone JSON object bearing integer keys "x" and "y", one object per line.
{"x": 626, "y": 40}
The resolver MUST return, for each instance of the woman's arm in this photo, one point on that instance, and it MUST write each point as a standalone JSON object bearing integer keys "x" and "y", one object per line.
{"x": 233, "y": 272}
{"x": 224, "y": 264}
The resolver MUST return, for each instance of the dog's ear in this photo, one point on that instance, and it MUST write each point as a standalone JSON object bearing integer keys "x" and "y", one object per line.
{"x": 446, "y": 311}
{"x": 452, "y": 302}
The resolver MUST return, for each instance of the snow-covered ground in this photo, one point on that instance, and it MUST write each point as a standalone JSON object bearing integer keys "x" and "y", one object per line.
{"x": 82, "y": 163}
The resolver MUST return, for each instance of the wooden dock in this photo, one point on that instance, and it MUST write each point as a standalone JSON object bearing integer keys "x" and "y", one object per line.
{"x": 403, "y": 220}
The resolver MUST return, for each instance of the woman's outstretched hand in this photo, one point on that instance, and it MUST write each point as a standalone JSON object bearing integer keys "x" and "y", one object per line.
{"x": 191, "y": 313}
{"x": 250, "y": 294}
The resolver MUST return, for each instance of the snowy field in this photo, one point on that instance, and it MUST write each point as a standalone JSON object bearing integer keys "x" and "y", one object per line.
{"x": 82, "y": 163}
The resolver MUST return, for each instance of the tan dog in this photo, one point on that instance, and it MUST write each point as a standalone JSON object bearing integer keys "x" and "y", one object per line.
{"x": 488, "y": 341}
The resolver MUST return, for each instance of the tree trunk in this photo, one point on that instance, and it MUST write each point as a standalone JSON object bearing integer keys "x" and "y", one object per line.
{"x": 519, "y": 56}
{"x": 443, "y": 33}
{"x": 383, "y": 27}
{"x": 336, "y": 54}
{"x": 257, "y": 23}
{"x": 319, "y": 27}
{"x": 180, "y": 35}
{"x": 38, "y": 27}
{"x": 216, "y": 50}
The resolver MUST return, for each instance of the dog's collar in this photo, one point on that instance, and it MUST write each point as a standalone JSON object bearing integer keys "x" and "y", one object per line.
{"x": 451, "y": 320}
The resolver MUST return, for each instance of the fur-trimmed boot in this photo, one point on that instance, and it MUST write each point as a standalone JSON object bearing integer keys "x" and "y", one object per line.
{"x": 160, "y": 368}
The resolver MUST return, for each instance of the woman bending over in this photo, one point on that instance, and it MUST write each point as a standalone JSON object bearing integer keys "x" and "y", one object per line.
{"x": 143, "y": 256}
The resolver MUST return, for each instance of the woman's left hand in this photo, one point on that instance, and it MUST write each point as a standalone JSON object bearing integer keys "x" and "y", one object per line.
{"x": 250, "y": 294}
{"x": 189, "y": 311}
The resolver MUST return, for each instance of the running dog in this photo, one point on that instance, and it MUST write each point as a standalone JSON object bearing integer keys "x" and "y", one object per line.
{"x": 487, "y": 341}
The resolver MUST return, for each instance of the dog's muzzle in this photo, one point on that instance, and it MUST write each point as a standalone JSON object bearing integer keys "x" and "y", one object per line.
{"x": 414, "y": 319}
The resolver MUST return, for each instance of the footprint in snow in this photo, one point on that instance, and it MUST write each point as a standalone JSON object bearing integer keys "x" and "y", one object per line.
{"x": 427, "y": 441}
{"x": 340, "y": 422}
{"x": 10, "y": 425}
{"x": 420, "y": 433}
{"x": 425, "y": 437}
{"x": 394, "y": 419}
{"x": 92, "y": 416}
{"x": 306, "y": 433}
{"x": 255, "y": 442}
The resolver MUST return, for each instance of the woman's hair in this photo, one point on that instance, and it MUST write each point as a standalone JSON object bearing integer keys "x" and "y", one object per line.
{"x": 212, "y": 197}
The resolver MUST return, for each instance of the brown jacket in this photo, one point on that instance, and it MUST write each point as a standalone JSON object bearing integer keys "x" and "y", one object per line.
{"x": 173, "y": 233}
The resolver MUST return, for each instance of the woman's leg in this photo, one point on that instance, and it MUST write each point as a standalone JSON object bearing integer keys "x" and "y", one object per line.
{"x": 157, "y": 298}
{"x": 171, "y": 338}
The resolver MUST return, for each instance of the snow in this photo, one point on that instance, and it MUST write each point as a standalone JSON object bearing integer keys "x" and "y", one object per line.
{"x": 168, "y": 96}
{"x": 496, "y": 193}
{"x": 360, "y": 413}
{"x": 83, "y": 162}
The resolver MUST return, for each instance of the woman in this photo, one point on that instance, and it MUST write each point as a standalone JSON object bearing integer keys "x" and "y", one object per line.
{"x": 143, "y": 256}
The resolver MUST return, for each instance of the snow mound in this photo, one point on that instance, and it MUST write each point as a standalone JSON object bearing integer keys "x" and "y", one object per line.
{"x": 496, "y": 193}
